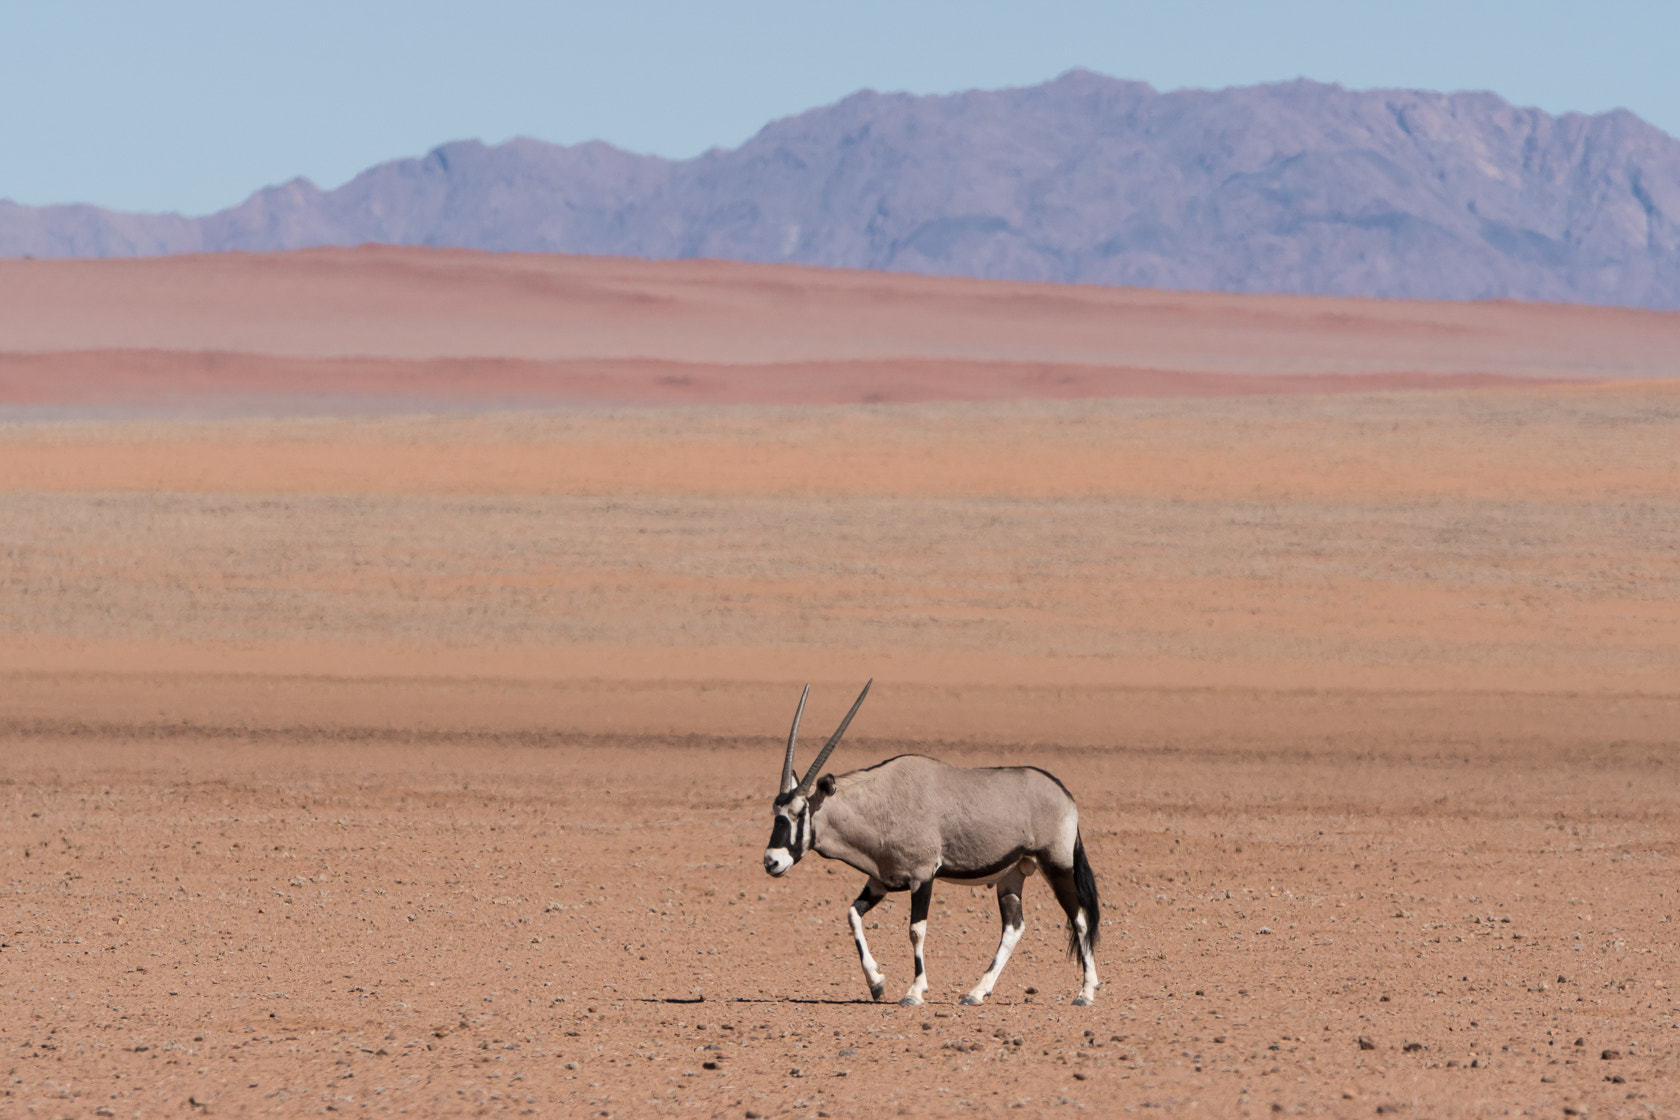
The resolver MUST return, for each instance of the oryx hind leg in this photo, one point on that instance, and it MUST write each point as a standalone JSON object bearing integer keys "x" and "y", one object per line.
{"x": 920, "y": 900}
{"x": 1076, "y": 891}
{"x": 873, "y": 892}
{"x": 1009, "y": 909}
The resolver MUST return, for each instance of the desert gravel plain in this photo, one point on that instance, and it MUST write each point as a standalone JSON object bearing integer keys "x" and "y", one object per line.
{"x": 395, "y": 649}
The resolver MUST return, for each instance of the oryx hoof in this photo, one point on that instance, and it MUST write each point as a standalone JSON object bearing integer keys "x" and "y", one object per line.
{"x": 876, "y": 991}
{"x": 972, "y": 1000}
{"x": 1081, "y": 1001}
{"x": 909, "y": 1001}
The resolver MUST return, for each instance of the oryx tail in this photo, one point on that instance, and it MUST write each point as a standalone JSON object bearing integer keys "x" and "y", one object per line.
{"x": 1085, "y": 882}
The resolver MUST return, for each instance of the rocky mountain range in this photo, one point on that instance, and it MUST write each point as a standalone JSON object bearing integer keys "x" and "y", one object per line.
{"x": 1290, "y": 187}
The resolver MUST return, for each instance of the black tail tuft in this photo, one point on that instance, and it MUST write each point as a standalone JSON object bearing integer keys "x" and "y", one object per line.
{"x": 1085, "y": 881}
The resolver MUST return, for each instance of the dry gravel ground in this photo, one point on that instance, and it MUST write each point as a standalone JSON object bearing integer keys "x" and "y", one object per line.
{"x": 425, "y": 764}
{"x": 285, "y": 922}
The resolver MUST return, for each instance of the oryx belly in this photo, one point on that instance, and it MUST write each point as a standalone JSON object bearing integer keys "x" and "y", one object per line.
{"x": 1025, "y": 866}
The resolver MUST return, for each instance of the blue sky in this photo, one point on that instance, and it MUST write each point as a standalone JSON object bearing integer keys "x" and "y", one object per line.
{"x": 190, "y": 106}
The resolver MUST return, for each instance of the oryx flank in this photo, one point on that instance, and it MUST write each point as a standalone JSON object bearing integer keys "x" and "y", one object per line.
{"x": 910, "y": 820}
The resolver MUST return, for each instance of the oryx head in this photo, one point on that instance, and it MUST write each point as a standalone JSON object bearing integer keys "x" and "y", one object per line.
{"x": 790, "y": 833}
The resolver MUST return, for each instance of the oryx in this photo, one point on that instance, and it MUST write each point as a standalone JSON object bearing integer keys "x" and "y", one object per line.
{"x": 910, "y": 820}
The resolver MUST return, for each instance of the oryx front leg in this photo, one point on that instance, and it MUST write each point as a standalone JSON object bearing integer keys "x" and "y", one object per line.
{"x": 920, "y": 900}
{"x": 1009, "y": 909}
{"x": 872, "y": 893}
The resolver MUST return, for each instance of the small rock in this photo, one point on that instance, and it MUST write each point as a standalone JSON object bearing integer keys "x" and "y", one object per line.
{"x": 1412, "y": 1047}
{"x": 1610, "y": 1055}
{"x": 1616, "y": 1079}
{"x": 1366, "y": 1044}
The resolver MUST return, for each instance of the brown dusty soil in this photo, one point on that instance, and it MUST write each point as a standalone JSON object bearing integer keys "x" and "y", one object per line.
{"x": 383, "y": 764}
{"x": 291, "y": 921}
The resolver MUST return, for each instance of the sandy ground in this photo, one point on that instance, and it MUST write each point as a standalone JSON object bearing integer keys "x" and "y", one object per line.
{"x": 423, "y": 763}
{"x": 296, "y": 921}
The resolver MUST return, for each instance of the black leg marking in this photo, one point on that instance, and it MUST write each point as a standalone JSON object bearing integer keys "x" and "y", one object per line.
{"x": 867, "y": 899}
{"x": 1009, "y": 912}
{"x": 871, "y": 894}
{"x": 920, "y": 901}
{"x": 1062, "y": 882}
{"x": 1009, "y": 909}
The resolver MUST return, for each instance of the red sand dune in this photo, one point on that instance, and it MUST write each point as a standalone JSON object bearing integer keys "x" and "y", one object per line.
{"x": 404, "y": 328}
{"x": 167, "y": 379}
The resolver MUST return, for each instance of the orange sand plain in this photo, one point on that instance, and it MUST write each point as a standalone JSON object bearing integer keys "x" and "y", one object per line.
{"x": 387, "y": 761}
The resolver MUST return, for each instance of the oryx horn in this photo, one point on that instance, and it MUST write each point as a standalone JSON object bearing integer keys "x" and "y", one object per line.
{"x": 793, "y": 737}
{"x": 833, "y": 741}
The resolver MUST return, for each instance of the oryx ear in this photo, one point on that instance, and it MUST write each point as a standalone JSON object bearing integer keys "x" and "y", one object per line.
{"x": 826, "y": 784}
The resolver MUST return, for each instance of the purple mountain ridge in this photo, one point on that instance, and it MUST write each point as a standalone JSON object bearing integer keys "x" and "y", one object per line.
{"x": 1291, "y": 187}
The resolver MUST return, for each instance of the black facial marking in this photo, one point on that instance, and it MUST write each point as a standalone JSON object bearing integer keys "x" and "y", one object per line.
{"x": 781, "y": 833}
